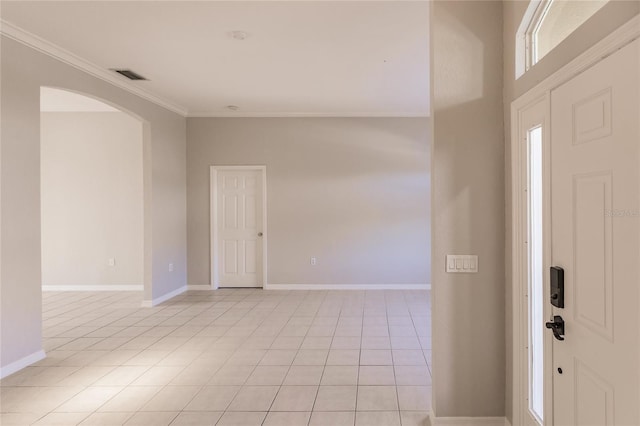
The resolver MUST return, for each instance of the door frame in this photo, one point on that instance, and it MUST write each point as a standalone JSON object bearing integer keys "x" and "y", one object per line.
{"x": 213, "y": 220}
{"x": 542, "y": 93}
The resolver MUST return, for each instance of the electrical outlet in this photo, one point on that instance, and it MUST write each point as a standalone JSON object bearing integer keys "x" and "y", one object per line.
{"x": 111, "y": 261}
{"x": 313, "y": 261}
{"x": 171, "y": 267}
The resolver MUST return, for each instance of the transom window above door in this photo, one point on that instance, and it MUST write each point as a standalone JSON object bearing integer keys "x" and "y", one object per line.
{"x": 546, "y": 24}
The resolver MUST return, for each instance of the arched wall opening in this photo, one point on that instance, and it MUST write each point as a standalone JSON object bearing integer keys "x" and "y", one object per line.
{"x": 25, "y": 69}
{"x": 93, "y": 194}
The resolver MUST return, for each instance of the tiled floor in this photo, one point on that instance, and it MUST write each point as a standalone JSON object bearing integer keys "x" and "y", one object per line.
{"x": 229, "y": 357}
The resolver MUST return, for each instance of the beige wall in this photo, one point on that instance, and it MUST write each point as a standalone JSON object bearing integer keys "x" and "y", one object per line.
{"x": 606, "y": 20}
{"x": 354, "y": 193}
{"x": 91, "y": 186}
{"x": 468, "y": 208}
{"x": 23, "y": 72}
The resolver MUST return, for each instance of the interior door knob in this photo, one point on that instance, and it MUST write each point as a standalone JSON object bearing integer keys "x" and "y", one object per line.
{"x": 259, "y": 234}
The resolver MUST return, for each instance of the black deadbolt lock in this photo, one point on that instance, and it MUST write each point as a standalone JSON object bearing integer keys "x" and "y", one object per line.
{"x": 557, "y": 287}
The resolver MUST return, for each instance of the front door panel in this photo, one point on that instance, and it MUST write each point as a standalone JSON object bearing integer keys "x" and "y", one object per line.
{"x": 595, "y": 215}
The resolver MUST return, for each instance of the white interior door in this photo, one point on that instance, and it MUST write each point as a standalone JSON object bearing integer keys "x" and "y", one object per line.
{"x": 595, "y": 214}
{"x": 238, "y": 227}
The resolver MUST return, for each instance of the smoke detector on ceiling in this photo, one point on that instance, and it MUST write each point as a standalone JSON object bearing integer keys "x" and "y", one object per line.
{"x": 131, "y": 75}
{"x": 238, "y": 35}
{"x": 233, "y": 107}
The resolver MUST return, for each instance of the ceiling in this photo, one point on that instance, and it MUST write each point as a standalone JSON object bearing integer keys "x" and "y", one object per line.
{"x": 298, "y": 58}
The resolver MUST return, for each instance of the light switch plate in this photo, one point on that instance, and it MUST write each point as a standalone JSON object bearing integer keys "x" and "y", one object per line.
{"x": 462, "y": 263}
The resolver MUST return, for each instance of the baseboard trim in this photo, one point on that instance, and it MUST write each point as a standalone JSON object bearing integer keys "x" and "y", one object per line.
{"x": 468, "y": 421}
{"x": 199, "y": 287}
{"x": 347, "y": 287}
{"x": 22, "y": 363}
{"x": 163, "y": 298}
{"x": 106, "y": 287}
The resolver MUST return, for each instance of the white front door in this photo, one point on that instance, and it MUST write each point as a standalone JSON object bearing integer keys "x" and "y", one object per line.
{"x": 237, "y": 227}
{"x": 595, "y": 236}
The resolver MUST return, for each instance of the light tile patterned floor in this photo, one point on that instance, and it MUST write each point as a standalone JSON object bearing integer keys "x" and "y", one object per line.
{"x": 229, "y": 357}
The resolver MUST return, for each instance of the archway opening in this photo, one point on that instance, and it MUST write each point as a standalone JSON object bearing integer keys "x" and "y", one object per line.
{"x": 92, "y": 194}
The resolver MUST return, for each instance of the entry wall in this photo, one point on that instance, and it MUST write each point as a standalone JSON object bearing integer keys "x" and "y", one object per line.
{"x": 92, "y": 199}
{"x": 468, "y": 209}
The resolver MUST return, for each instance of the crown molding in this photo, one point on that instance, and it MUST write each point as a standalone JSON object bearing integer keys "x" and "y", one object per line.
{"x": 230, "y": 114}
{"x": 38, "y": 43}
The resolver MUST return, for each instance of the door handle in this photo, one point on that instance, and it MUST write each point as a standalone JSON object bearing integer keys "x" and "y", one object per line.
{"x": 259, "y": 234}
{"x": 557, "y": 327}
